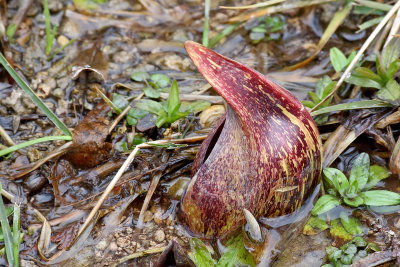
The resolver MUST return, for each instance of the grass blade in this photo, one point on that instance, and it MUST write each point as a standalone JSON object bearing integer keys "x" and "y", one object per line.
{"x": 16, "y": 234}
{"x": 60, "y": 49}
{"x": 49, "y": 32}
{"x": 8, "y": 239}
{"x": 33, "y": 96}
{"x": 263, "y": 4}
{"x": 32, "y": 142}
{"x": 335, "y": 22}
{"x": 206, "y": 26}
{"x": 278, "y": 8}
{"x": 222, "y": 34}
{"x": 375, "y": 5}
{"x": 352, "y": 105}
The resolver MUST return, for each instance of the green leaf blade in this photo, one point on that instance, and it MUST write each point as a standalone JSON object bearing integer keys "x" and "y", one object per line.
{"x": 338, "y": 59}
{"x": 236, "y": 254}
{"x": 140, "y": 76}
{"x": 200, "y": 254}
{"x": 8, "y": 239}
{"x": 351, "y": 224}
{"x": 324, "y": 204}
{"x": 149, "y": 106}
{"x": 380, "y": 198}
{"x": 160, "y": 80}
{"x": 173, "y": 99}
{"x": 360, "y": 170}
{"x": 376, "y": 174}
{"x": 337, "y": 179}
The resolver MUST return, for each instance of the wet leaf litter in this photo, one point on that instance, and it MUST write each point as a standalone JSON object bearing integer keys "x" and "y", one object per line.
{"x": 124, "y": 87}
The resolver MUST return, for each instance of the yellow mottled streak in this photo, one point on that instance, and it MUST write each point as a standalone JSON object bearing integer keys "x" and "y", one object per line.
{"x": 214, "y": 64}
{"x": 308, "y": 138}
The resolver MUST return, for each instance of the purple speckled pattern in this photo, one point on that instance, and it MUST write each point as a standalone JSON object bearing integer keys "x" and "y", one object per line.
{"x": 267, "y": 158}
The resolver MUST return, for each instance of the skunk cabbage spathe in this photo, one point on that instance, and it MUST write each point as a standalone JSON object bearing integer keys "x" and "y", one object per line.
{"x": 264, "y": 155}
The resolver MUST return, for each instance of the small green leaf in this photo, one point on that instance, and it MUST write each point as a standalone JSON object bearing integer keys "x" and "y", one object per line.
{"x": 359, "y": 242}
{"x": 176, "y": 116}
{"x": 336, "y": 178}
{"x": 393, "y": 68}
{"x": 194, "y": 107}
{"x": 390, "y": 53}
{"x": 236, "y": 254}
{"x": 360, "y": 170}
{"x": 322, "y": 83}
{"x": 119, "y": 101}
{"x": 333, "y": 253}
{"x": 349, "y": 248}
{"x": 390, "y": 92}
{"x": 315, "y": 222}
{"x": 308, "y": 104}
{"x": 372, "y": 247}
{"x": 259, "y": 29}
{"x": 121, "y": 146}
{"x": 256, "y": 36}
{"x": 351, "y": 224}
{"x": 137, "y": 113}
{"x": 347, "y": 259}
{"x": 148, "y": 105}
{"x": 376, "y": 173}
{"x": 380, "y": 198}
{"x": 338, "y": 59}
{"x": 173, "y": 99}
{"x": 131, "y": 121}
{"x": 354, "y": 202}
{"x": 314, "y": 98}
{"x": 161, "y": 119}
{"x": 200, "y": 254}
{"x": 353, "y": 189}
{"x": 370, "y": 23}
{"x": 365, "y": 78}
{"x": 324, "y": 204}
{"x": 10, "y": 32}
{"x": 338, "y": 231}
{"x": 274, "y": 23}
{"x": 161, "y": 80}
{"x": 140, "y": 76}
{"x": 351, "y": 57}
{"x": 138, "y": 139}
{"x": 150, "y": 92}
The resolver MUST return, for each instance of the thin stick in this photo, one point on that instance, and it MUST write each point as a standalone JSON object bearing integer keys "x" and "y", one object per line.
{"x": 150, "y": 192}
{"x": 190, "y": 97}
{"x": 138, "y": 254}
{"x": 258, "y": 5}
{"x": 6, "y": 137}
{"x": 206, "y": 26}
{"x": 370, "y": 39}
{"x": 394, "y": 29}
{"x": 121, "y": 171}
{"x": 40, "y": 162}
{"x": 108, "y": 190}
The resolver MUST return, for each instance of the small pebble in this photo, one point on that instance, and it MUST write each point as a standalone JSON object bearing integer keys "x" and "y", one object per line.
{"x": 113, "y": 246}
{"x": 122, "y": 242}
{"x": 62, "y": 40}
{"x": 101, "y": 245}
{"x": 159, "y": 236}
